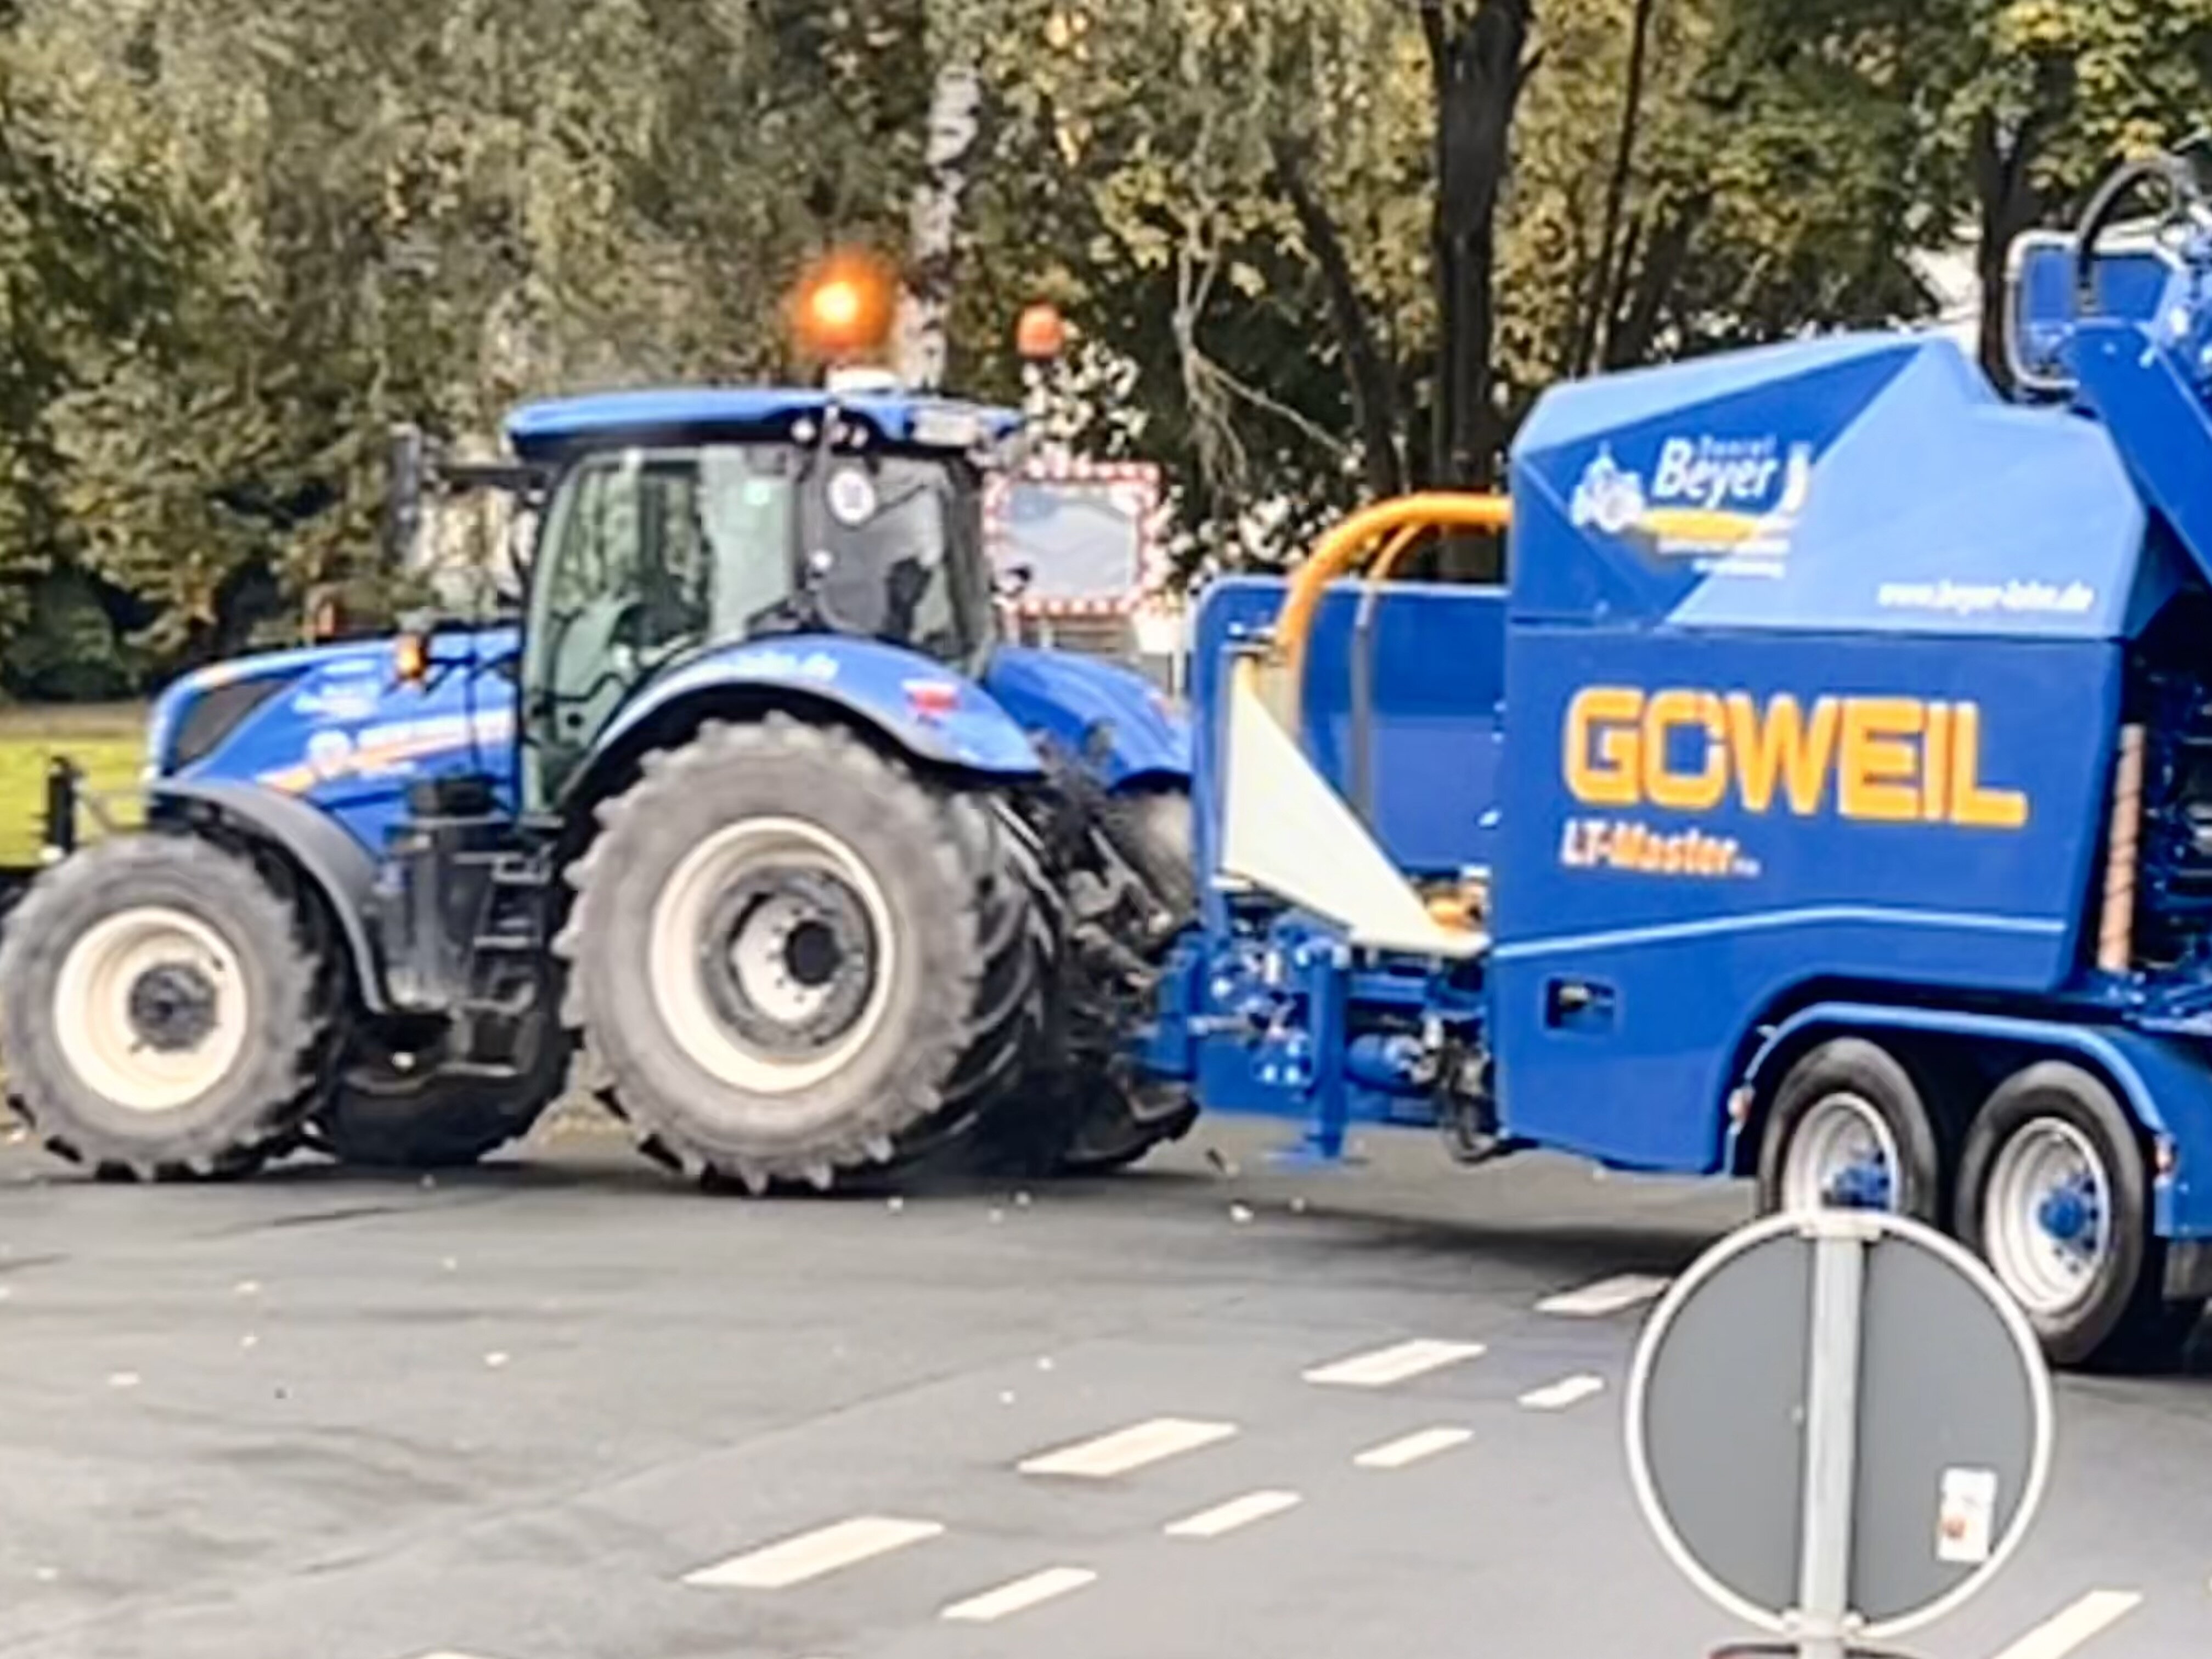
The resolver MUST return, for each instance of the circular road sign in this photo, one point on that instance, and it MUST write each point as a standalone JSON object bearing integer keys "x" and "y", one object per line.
{"x": 1838, "y": 1424}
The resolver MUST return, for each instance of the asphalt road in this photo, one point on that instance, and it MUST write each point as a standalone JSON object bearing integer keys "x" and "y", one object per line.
{"x": 563, "y": 1410}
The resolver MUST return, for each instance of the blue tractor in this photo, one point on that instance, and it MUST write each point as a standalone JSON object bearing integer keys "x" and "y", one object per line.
{"x": 750, "y": 823}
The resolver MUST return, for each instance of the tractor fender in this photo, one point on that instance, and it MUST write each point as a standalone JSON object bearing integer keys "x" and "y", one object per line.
{"x": 336, "y": 865}
{"x": 1111, "y": 720}
{"x": 920, "y": 705}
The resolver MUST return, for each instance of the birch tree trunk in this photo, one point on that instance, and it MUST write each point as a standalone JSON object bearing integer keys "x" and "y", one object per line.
{"x": 934, "y": 225}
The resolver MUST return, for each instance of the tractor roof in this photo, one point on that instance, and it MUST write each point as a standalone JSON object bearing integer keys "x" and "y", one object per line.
{"x": 540, "y": 430}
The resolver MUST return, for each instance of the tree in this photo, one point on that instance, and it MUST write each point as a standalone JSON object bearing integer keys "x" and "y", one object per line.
{"x": 1347, "y": 246}
{"x": 2015, "y": 106}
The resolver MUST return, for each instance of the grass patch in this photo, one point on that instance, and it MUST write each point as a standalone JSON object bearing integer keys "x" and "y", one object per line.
{"x": 108, "y": 743}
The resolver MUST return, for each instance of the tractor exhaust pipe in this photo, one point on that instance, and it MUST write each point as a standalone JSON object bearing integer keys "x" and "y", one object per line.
{"x": 2116, "y": 925}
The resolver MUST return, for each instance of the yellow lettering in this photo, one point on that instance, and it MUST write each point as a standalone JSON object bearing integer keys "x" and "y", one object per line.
{"x": 1895, "y": 760}
{"x": 1972, "y": 805}
{"x": 1603, "y": 772}
{"x": 1877, "y": 771}
{"x": 1781, "y": 748}
{"x": 1935, "y": 768}
{"x": 1685, "y": 792}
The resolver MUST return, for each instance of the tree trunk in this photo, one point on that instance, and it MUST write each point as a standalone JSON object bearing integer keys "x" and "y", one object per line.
{"x": 1479, "y": 64}
{"x": 1598, "y": 307}
{"x": 1374, "y": 398}
{"x": 935, "y": 221}
{"x": 2008, "y": 204}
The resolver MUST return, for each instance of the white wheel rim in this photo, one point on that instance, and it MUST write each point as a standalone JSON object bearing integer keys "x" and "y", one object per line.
{"x": 685, "y": 909}
{"x": 1842, "y": 1157}
{"x": 2047, "y": 1216}
{"x": 106, "y": 1044}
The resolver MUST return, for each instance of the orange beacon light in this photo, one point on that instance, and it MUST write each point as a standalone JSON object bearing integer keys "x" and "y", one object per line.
{"x": 844, "y": 308}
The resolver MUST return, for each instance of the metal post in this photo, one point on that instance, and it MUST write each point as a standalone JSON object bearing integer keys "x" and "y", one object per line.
{"x": 60, "y": 837}
{"x": 1831, "y": 1391}
{"x": 1327, "y": 985}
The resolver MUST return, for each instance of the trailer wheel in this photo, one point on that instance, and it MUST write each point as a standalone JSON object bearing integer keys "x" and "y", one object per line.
{"x": 1849, "y": 1130}
{"x": 793, "y": 956}
{"x": 158, "y": 1010}
{"x": 2054, "y": 1196}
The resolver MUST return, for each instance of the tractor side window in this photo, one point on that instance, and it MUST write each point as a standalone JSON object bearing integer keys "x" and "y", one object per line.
{"x": 745, "y": 514}
{"x": 648, "y": 556}
{"x": 624, "y": 585}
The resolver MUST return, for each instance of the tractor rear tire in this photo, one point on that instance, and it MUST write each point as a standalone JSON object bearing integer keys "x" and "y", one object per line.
{"x": 382, "y": 1118}
{"x": 159, "y": 1010}
{"x": 796, "y": 960}
{"x": 1119, "y": 1118}
{"x": 1083, "y": 1109}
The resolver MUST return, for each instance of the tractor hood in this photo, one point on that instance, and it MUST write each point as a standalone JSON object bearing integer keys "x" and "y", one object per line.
{"x": 335, "y": 723}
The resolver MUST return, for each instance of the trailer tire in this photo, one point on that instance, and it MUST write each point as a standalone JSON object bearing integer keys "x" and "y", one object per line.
{"x": 1846, "y": 1099}
{"x": 732, "y": 1059}
{"x": 2050, "y": 1153}
{"x": 159, "y": 1010}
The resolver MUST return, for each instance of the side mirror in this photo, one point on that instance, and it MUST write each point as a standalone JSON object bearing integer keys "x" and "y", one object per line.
{"x": 2040, "y": 309}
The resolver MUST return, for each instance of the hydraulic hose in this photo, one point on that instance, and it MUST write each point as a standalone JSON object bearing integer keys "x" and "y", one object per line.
{"x": 1340, "y": 551}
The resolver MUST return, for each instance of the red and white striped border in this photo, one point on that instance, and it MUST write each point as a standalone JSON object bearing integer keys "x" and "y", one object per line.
{"x": 1154, "y": 571}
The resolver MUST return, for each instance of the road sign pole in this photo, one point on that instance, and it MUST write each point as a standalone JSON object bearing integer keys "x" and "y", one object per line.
{"x": 1831, "y": 1408}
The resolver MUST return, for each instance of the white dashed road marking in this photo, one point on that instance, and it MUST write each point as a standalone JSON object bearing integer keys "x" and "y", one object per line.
{"x": 1021, "y": 1593}
{"x": 1607, "y": 1295}
{"x": 1413, "y": 1448}
{"x": 2061, "y": 1635}
{"x": 810, "y": 1554}
{"x": 1567, "y": 1391}
{"x": 1380, "y": 1369}
{"x": 1128, "y": 1448}
{"x": 1236, "y": 1512}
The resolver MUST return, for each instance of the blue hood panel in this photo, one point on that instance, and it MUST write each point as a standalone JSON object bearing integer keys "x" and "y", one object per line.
{"x": 1112, "y": 716}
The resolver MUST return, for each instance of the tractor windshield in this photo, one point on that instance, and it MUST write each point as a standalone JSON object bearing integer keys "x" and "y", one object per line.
{"x": 649, "y": 554}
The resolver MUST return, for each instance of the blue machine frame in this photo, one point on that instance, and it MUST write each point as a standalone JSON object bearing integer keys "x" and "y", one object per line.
{"x": 1801, "y": 714}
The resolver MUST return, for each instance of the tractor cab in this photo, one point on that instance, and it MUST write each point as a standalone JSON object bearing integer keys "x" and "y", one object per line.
{"x": 676, "y": 522}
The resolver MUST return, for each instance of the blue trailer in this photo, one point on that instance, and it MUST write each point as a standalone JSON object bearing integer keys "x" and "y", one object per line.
{"x": 1827, "y": 798}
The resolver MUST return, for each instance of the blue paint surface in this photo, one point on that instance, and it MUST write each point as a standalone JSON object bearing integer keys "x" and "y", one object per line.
{"x": 925, "y": 705}
{"x": 346, "y": 736}
{"x": 1108, "y": 717}
{"x": 603, "y": 420}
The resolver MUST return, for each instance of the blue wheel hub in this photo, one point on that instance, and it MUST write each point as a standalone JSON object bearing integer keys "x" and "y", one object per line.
{"x": 1865, "y": 1185}
{"x": 2068, "y": 1213}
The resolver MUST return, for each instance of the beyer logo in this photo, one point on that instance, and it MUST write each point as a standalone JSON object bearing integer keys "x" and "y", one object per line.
{"x": 1730, "y": 503}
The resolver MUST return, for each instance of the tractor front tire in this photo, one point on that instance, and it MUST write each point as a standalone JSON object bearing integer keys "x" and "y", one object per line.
{"x": 158, "y": 1010}
{"x": 795, "y": 958}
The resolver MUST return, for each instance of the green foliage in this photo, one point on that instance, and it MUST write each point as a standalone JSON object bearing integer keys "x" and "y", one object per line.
{"x": 239, "y": 238}
{"x": 67, "y": 651}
